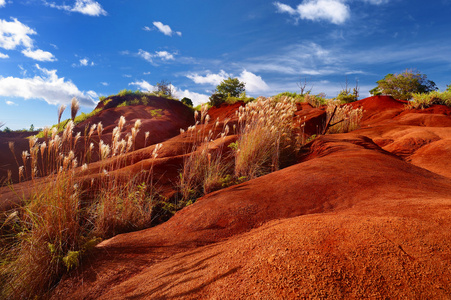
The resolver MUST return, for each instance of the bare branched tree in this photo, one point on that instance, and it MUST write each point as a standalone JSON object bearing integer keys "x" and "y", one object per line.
{"x": 164, "y": 88}
{"x": 302, "y": 84}
{"x": 60, "y": 112}
{"x": 74, "y": 107}
{"x": 356, "y": 90}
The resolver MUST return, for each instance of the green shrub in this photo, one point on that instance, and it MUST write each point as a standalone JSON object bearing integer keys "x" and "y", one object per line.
{"x": 187, "y": 101}
{"x": 217, "y": 99}
{"x": 424, "y": 100}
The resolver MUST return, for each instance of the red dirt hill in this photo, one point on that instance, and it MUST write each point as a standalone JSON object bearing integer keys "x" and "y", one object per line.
{"x": 362, "y": 215}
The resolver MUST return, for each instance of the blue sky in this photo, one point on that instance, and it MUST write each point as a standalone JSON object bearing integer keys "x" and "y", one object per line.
{"x": 51, "y": 51}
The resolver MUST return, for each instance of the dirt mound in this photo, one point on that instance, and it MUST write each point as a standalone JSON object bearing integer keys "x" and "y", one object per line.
{"x": 332, "y": 227}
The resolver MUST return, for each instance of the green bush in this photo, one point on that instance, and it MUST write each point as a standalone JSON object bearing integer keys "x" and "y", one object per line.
{"x": 217, "y": 99}
{"x": 424, "y": 100}
{"x": 187, "y": 101}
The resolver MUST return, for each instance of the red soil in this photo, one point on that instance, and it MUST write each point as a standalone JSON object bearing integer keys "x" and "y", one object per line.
{"x": 362, "y": 215}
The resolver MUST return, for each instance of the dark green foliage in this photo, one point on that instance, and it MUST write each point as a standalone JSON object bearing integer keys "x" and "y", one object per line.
{"x": 403, "y": 85}
{"x": 231, "y": 87}
{"x": 217, "y": 99}
{"x": 187, "y": 102}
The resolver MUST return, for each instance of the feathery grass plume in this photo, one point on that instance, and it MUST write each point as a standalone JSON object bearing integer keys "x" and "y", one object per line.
{"x": 266, "y": 139}
{"x": 74, "y": 108}
{"x": 203, "y": 167}
{"x": 99, "y": 130}
{"x": 345, "y": 119}
{"x": 146, "y": 137}
{"x": 61, "y": 109}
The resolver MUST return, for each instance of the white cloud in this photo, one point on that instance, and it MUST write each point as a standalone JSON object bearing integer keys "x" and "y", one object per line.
{"x": 195, "y": 97}
{"x": 143, "y": 85}
{"x": 105, "y": 83}
{"x": 163, "y": 55}
{"x": 165, "y": 29}
{"x": 179, "y": 93}
{"x": 2, "y": 55}
{"x": 2, "y": 3}
{"x": 254, "y": 83}
{"x": 13, "y": 34}
{"x": 297, "y": 59}
{"x": 47, "y": 86}
{"x": 10, "y": 103}
{"x": 334, "y": 11}
{"x": 283, "y": 8}
{"x": 86, "y": 7}
{"x": 39, "y": 55}
{"x": 84, "y": 62}
{"x": 213, "y": 79}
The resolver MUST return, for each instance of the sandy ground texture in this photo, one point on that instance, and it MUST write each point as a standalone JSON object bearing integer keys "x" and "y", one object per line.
{"x": 365, "y": 214}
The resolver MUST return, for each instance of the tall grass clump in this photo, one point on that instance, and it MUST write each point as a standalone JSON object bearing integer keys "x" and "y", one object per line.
{"x": 204, "y": 167}
{"x": 343, "y": 118}
{"x": 425, "y": 100}
{"x": 265, "y": 130}
{"x": 64, "y": 216}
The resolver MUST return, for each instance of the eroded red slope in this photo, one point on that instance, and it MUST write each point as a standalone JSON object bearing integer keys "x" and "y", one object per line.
{"x": 344, "y": 228}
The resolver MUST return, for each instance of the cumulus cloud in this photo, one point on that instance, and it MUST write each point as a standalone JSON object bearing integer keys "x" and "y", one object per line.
{"x": 47, "y": 86}
{"x": 84, "y": 62}
{"x": 86, "y": 7}
{"x": 334, "y": 11}
{"x": 165, "y": 29}
{"x": 143, "y": 85}
{"x": 197, "y": 98}
{"x": 39, "y": 55}
{"x": 162, "y": 55}
{"x": 2, "y": 3}
{"x": 213, "y": 79}
{"x": 14, "y": 34}
{"x": 253, "y": 82}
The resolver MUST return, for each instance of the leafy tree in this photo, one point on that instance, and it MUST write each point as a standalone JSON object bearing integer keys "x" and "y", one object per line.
{"x": 403, "y": 85}
{"x": 230, "y": 87}
{"x": 187, "y": 101}
{"x": 448, "y": 87}
{"x": 31, "y": 127}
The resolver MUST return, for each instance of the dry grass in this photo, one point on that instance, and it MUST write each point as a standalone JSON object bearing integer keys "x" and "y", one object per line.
{"x": 265, "y": 131}
{"x": 345, "y": 119}
{"x": 424, "y": 100}
{"x": 57, "y": 224}
{"x": 204, "y": 166}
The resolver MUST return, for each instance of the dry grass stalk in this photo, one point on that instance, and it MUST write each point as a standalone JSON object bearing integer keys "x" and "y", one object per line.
{"x": 345, "y": 119}
{"x": 265, "y": 130}
{"x": 61, "y": 109}
{"x": 74, "y": 108}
